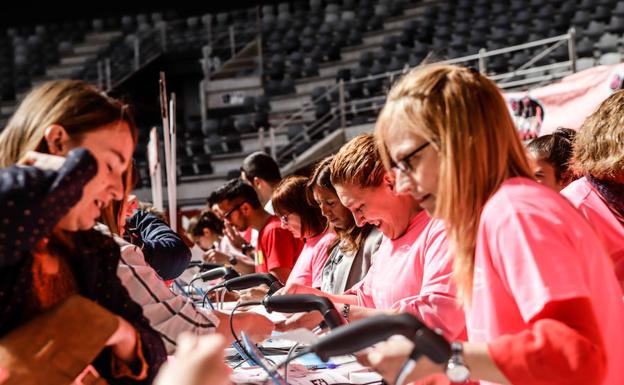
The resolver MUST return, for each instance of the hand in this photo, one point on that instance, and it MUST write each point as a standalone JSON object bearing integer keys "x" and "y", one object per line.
{"x": 42, "y": 161}
{"x": 308, "y": 321}
{"x": 123, "y": 341}
{"x": 253, "y": 294}
{"x": 388, "y": 358}
{"x": 131, "y": 204}
{"x": 256, "y": 326}
{"x": 233, "y": 235}
{"x": 197, "y": 361}
{"x": 4, "y": 375}
{"x": 296, "y": 288}
{"x": 214, "y": 256}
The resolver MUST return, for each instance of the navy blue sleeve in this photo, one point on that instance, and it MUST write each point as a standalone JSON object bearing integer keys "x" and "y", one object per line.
{"x": 32, "y": 201}
{"x": 164, "y": 250}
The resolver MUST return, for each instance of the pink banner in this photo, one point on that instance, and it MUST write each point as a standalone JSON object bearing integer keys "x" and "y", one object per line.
{"x": 566, "y": 103}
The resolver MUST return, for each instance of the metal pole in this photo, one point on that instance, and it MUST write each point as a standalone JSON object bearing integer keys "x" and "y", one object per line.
{"x": 482, "y": 65}
{"x": 232, "y": 41}
{"x": 272, "y": 142}
{"x": 259, "y": 40}
{"x": 341, "y": 100}
{"x": 100, "y": 72}
{"x": 171, "y": 180}
{"x": 137, "y": 53}
{"x": 572, "y": 48}
{"x": 202, "y": 103}
{"x": 261, "y": 138}
{"x": 163, "y": 35}
{"x": 109, "y": 81}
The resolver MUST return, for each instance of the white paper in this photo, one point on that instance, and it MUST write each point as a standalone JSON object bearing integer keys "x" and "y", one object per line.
{"x": 301, "y": 335}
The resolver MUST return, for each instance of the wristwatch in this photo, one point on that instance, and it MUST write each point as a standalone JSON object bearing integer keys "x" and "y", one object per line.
{"x": 246, "y": 247}
{"x": 346, "y": 309}
{"x": 456, "y": 369}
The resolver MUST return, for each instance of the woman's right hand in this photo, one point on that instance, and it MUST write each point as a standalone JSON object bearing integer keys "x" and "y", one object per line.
{"x": 308, "y": 320}
{"x": 256, "y": 326}
{"x": 197, "y": 361}
{"x": 123, "y": 341}
{"x": 42, "y": 161}
{"x": 296, "y": 288}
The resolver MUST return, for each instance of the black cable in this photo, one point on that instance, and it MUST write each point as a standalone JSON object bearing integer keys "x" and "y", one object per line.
{"x": 236, "y": 339}
{"x": 208, "y": 292}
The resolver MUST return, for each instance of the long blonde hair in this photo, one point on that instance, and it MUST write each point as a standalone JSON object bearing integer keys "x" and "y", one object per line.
{"x": 73, "y": 104}
{"x": 465, "y": 118}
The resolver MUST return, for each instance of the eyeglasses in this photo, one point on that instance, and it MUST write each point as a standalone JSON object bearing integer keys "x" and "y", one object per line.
{"x": 404, "y": 165}
{"x": 227, "y": 215}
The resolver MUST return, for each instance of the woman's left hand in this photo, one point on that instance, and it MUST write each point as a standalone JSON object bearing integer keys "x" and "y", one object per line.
{"x": 253, "y": 294}
{"x": 389, "y": 357}
{"x": 214, "y": 256}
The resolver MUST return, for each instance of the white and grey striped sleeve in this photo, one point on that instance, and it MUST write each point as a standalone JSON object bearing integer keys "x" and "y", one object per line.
{"x": 168, "y": 313}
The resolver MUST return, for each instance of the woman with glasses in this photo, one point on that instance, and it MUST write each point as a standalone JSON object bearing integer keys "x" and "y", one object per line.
{"x": 305, "y": 222}
{"x": 541, "y": 300}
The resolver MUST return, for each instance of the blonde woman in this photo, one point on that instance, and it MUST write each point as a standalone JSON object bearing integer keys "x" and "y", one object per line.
{"x": 542, "y": 305}
{"x": 598, "y": 156}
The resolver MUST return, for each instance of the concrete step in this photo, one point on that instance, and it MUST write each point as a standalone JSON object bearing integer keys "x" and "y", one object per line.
{"x": 75, "y": 60}
{"x": 89, "y": 48}
{"x": 289, "y": 103}
{"x": 252, "y": 143}
{"x": 102, "y": 37}
{"x": 330, "y": 69}
{"x": 59, "y": 72}
{"x": 356, "y": 53}
{"x": 305, "y": 87}
{"x": 7, "y": 109}
{"x": 378, "y": 37}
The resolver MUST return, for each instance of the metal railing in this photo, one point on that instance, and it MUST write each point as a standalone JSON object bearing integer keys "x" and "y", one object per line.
{"x": 127, "y": 54}
{"x": 344, "y": 111}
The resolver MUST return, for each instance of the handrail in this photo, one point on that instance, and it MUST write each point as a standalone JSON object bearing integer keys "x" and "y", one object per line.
{"x": 505, "y": 78}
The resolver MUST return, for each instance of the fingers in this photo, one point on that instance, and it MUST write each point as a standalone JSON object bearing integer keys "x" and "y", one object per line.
{"x": 43, "y": 161}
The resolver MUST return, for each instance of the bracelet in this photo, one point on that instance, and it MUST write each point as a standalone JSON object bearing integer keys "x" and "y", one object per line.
{"x": 345, "y": 311}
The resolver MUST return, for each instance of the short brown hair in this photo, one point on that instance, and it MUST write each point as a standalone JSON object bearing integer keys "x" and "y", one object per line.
{"x": 290, "y": 197}
{"x": 357, "y": 163}
{"x": 599, "y": 144}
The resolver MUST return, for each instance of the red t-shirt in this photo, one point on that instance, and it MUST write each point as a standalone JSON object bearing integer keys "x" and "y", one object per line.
{"x": 277, "y": 248}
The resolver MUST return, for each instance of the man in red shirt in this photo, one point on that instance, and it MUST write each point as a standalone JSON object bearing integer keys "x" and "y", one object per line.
{"x": 277, "y": 249}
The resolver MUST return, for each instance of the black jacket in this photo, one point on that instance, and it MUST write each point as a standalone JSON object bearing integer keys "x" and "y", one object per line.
{"x": 162, "y": 247}
{"x": 32, "y": 201}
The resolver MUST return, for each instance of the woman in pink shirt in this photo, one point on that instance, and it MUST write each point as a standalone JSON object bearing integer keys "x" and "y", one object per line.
{"x": 412, "y": 268}
{"x": 542, "y": 304}
{"x": 599, "y": 195}
{"x": 292, "y": 204}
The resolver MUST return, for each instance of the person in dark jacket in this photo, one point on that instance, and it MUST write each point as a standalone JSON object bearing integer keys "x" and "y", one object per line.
{"x": 162, "y": 247}
{"x": 48, "y": 206}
